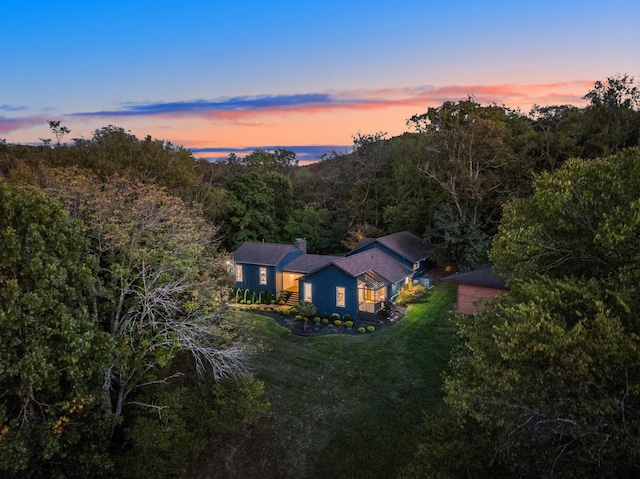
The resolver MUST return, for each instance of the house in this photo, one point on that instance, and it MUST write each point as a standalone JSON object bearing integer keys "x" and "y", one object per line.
{"x": 258, "y": 266}
{"x": 357, "y": 284}
{"x": 476, "y": 287}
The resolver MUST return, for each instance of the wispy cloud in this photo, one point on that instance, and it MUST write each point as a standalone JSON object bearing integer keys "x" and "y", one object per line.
{"x": 235, "y": 109}
{"x": 12, "y": 107}
{"x": 12, "y": 124}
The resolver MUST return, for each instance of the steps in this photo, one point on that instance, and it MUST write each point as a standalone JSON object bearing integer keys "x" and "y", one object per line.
{"x": 293, "y": 299}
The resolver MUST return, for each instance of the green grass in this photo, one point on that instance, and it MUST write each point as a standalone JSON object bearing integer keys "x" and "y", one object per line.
{"x": 346, "y": 405}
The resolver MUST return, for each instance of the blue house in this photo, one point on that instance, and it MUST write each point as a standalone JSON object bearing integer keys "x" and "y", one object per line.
{"x": 358, "y": 284}
{"x": 258, "y": 266}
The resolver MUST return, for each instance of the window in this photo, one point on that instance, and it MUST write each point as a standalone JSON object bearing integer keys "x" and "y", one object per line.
{"x": 239, "y": 273}
{"x": 263, "y": 275}
{"x": 340, "y": 296}
{"x": 416, "y": 266}
{"x": 307, "y": 292}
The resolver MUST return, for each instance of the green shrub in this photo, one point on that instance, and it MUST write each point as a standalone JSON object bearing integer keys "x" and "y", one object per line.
{"x": 294, "y": 310}
{"x": 410, "y": 294}
{"x": 361, "y": 330}
{"x": 268, "y": 310}
{"x": 335, "y": 316}
{"x": 325, "y": 321}
{"x": 242, "y": 301}
{"x": 261, "y": 297}
{"x": 348, "y": 324}
{"x": 248, "y": 302}
{"x": 270, "y": 297}
{"x": 281, "y": 302}
{"x": 285, "y": 311}
{"x": 371, "y": 329}
{"x": 238, "y": 295}
{"x": 308, "y": 310}
{"x": 254, "y": 308}
{"x": 246, "y": 295}
{"x": 337, "y": 322}
{"x": 346, "y": 317}
{"x": 254, "y": 297}
{"x": 299, "y": 317}
{"x": 316, "y": 319}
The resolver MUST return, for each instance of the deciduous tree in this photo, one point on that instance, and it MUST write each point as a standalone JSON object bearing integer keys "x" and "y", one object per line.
{"x": 159, "y": 282}
{"x": 52, "y": 351}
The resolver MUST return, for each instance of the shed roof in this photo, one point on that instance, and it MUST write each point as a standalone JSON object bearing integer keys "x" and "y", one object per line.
{"x": 373, "y": 259}
{"x": 269, "y": 254}
{"x": 482, "y": 276}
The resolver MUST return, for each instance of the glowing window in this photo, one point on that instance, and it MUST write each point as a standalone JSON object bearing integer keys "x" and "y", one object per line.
{"x": 263, "y": 275}
{"x": 307, "y": 292}
{"x": 239, "y": 272}
{"x": 340, "y": 296}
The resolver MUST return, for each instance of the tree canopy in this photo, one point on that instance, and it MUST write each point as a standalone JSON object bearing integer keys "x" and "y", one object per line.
{"x": 546, "y": 382}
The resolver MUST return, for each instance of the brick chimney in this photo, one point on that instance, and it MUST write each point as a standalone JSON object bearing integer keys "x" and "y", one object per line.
{"x": 301, "y": 244}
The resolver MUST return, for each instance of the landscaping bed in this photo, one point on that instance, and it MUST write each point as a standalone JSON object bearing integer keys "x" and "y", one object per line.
{"x": 308, "y": 327}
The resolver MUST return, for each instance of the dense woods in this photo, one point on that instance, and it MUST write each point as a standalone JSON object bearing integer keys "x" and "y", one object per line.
{"x": 118, "y": 353}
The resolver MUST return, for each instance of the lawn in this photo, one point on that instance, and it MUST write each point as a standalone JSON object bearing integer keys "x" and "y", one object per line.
{"x": 345, "y": 406}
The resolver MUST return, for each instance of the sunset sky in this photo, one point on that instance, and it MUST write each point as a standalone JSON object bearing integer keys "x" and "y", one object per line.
{"x": 222, "y": 76}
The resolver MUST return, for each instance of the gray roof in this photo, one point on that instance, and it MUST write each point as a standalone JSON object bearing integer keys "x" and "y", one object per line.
{"x": 404, "y": 243}
{"x": 268, "y": 254}
{"x": 308, "y": 263}
{"x": 373, "y": 259}
{"x": 482, "y": 276}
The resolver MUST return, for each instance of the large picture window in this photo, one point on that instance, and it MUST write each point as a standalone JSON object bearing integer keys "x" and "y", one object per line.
{"x": 340, "y": 296}
{"x": 239, "y": 273}
{"x": 263, "y": 275}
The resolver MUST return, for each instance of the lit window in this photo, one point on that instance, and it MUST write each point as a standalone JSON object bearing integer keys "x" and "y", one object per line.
{"x": 263, "y": 275}
{"x": 340, "y": 296}
{"x": 415, "y": 266}
{"x": 307, "y": 292}
{"x": 239, "y": 273}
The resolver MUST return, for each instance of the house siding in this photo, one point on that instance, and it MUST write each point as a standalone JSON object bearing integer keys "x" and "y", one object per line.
{"x": 251, "y": 278}
{"x": 251, "y": 275}
{"x": 324, "y": 283}
{"x": 471, "y": 299}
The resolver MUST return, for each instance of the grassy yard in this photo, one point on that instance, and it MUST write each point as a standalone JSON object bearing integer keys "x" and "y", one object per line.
{"x": 345, "y": 406}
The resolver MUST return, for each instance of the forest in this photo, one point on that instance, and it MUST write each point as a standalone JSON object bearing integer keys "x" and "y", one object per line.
{"x": 119, "y": 356}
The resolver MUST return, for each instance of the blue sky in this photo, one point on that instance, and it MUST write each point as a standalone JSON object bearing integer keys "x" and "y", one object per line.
{"x": 222, "y": 76}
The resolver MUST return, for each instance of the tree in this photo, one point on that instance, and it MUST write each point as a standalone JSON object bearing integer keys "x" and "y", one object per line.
{"x": 58, "y": 130}
{"x": 546, "y": 381}
{"x": 160, "y": 283}
{"x": 368, "y": 164}
{"x": 262, "y": 204}
{"x": 114, "y": 150}
{"x": 580, "y": 221}
{"x": 471, "y": 156}
{"x": 52, "y": 352}
{"x": 557, "y": 134}
{"x": 612, "y": 119}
